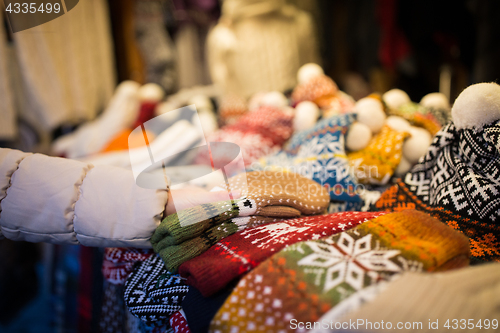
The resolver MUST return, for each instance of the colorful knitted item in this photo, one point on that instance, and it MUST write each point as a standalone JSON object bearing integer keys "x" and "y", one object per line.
{"x": 457, "y": 182}
{"x": 307, "y": 279}
{"x": 419, "y": 115}
{"x": 152, "y": 293}
{"x": 279, "y": 194}
{"x": 178, "y": 323}
{"x": 376, "y": 163}
{"x": 318, "y": 89}
{"x": 319, "y": 154}
{"x": 239, "y": 253}
{"x": 118, "y": 262}
{"x": 259, "y": 133}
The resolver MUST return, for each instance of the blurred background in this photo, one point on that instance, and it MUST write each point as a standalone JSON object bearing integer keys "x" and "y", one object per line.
{"x": 61, "y": 76}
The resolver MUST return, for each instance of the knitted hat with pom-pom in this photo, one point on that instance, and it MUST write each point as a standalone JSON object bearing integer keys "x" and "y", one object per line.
{"x": 457, "y": 180}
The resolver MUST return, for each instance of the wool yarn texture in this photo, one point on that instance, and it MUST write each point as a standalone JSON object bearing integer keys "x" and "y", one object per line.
{"x": 307, "y": 279}
{"x": 258, "y": 134}
{"x": 376, "y": 163}
{"x": 118, "y": 262}
{"x": 457, "y": 182}
{"x": 238, "y": 254}
{"x": 152, "y": 293}
{"x": 471, "y": 292}
{"x": 319, "y": 154}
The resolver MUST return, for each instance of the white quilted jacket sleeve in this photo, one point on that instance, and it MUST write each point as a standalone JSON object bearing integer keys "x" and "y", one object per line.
{"x": 56, "y": 200}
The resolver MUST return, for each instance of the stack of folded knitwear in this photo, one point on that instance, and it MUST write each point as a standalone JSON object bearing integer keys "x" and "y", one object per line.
{"x": 275, "y": 260}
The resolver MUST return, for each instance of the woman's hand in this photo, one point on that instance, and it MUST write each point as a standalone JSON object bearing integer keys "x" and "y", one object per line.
{"x": 194, "y": 196}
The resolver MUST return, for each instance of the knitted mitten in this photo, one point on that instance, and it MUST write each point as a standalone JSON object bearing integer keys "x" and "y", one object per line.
{"x": 457, "y": 182}
{"x": 305, "y": 280}
{"x": 376, "y": 163}
{"x": 445, "y": 298}
{"x": 152, "y": 293}
{"x": 239, "y": 253}
{"x": 178, "y": 323}
{"x": 175, "y": 255}
{"x": 319, "y": 154}
{"x": 280, "y": 194}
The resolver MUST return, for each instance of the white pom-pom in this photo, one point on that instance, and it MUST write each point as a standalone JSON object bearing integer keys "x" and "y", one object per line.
{"x": 394, "y": 98}
{"x": 358, "y": 136}
{"x": 476, "y": 106}
{"x": 151, "y": 92}
{"x": 308, "y": 71}
{"x": 417, "y": 145}
{"x": 403, "y": 167}
{"x": 274, "y": 98}
{"x": 435, "y": 100}
{"x": 306, "y": 115}
{"x": 371, "y": 113}
{"x": 398, "y": 123}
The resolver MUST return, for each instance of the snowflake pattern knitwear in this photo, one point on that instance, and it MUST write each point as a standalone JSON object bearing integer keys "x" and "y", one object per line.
{"x": 153, "y": 294}
{"x": 319, "y": 154}
{"x": 239, "y": 253}
{"x": 376, "y": 163}
{"x": 457, "y": 182}
{"x": 307, "y": 279}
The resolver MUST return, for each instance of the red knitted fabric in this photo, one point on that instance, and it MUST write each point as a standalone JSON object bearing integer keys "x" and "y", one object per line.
{"x": 239, "y": 253}
{"x": 118, "y": 262}
{"x": 179, "y": 323}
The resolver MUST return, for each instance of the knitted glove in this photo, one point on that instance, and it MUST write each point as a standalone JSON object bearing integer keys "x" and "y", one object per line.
{"x": 306, "y": 279}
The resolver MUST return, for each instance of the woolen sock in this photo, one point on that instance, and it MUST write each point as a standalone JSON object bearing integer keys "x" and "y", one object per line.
{"x": 376, "y": 163}
{"x": 466, "y": 299}
{"x": 152, "y": 293}
{"x": 457, "y": 182}
{"x": 238, "y": 254}
{"x": 200, "y": 310}
{"x": 307, "y": 279}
